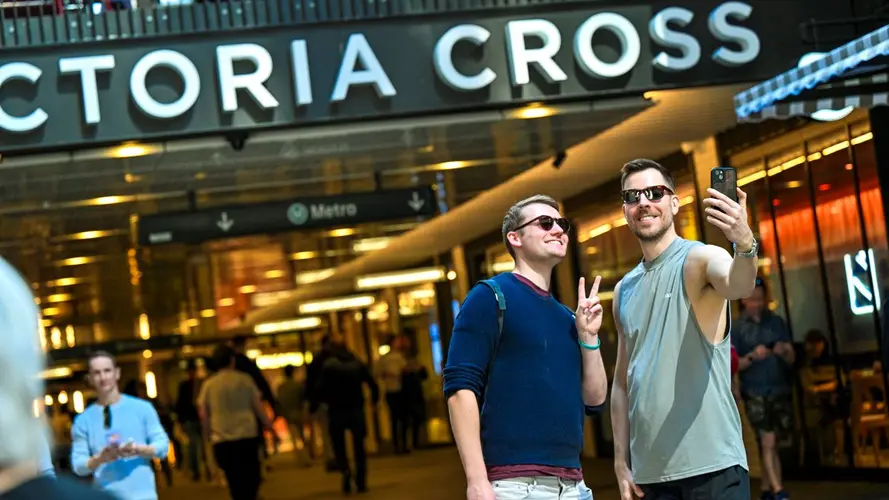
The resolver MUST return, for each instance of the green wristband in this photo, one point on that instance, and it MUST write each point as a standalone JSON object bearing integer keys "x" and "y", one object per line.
{"x": 590, "y": 347}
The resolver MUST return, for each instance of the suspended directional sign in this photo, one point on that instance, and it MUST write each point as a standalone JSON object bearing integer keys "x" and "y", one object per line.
{"x": 276, "y": 217}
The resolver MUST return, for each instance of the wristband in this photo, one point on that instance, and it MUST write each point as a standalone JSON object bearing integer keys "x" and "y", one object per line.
{"x": 588, "y": 346}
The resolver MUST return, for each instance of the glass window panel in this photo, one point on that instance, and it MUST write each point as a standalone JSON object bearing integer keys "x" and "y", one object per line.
{"x": 760, "y": 214}
{"x": 796, "y": 235}
{"x": 841, "y": 241}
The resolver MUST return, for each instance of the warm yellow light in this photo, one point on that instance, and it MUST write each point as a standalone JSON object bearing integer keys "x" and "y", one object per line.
{"x": 619, "y": 222}
{"x": 144, "y": 327}
{"x": 862, "y": 138}
{"x": 344, "y": 231}
{"x": 147, "y": 354}
{"x": 226, "y": 302}
{"x": 52, "y": 311}
{"x": 253, "y": 353}
{"x": 69, "y": 336}
{"x": 56, "y": 337}
{"x": 57, "y": 372}
{"x": 836, "y": 147}
{"x": 150, "y": 385}
{"x": 307, "y": 277}
{"x": 290, "y": 325}
{"x": 76, "y": 261}
{"x": 452, "y": 275}
{"x": 384, "y": 350}
{"x": 275, "y": 361}
{"x": 90, "y": 235}
{"x": 751, "y": 178}
{"x": 503, "y": 266}
{"x": 303, "y": 255}
{"x": 309, "y": 357}
{"x": 338, "y": 304}
{"x": 47, "y": 400}
{"x": 247, "y": 289}
{"x": 193, "y": 322}
{"x": 534, "y": 111}
{"x": 274, "y": 273}
{"x": 64, "y": 282}
{"x": 794, "y": 184}
{"x": 59, "y": 297}
{"x": 208, "y": 313}
{"x": 400, "y": 278}
{"x": 132, "y": 150}
{"x": 599, "y": 231}
{"x": 110, "y": 200}
{"x": 63, "y": 398}
{"x": 370, "y": 244}
{"x": 451, "y": 165}
{"x": 78, "y": 401}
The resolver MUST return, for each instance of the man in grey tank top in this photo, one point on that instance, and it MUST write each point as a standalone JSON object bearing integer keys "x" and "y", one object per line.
{"x": 677, "y": 431}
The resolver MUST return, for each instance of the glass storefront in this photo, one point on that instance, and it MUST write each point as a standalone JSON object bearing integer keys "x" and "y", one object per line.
{"x": 818, "y": 212}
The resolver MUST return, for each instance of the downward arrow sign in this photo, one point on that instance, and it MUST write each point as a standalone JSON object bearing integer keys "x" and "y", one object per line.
{"x": 415, "y": 202}
{"x": 224, "y": 222}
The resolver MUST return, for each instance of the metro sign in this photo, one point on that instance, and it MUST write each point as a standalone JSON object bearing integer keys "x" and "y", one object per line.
{"x": 862, "y": 297}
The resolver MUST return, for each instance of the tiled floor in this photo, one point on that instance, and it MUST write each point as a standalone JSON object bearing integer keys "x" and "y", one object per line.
{"x": 436, "y": 475}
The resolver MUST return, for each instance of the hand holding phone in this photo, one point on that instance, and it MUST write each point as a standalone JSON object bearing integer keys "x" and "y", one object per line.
{"x": 726, "y": 208}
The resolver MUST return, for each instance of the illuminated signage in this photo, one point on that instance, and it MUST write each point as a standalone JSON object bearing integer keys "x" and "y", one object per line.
{"x": 863, "y": 297}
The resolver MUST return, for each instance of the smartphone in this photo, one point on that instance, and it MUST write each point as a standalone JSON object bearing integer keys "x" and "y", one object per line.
{"x": 725, "y": 180}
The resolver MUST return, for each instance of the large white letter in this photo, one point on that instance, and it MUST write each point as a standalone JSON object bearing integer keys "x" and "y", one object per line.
{"x": 87, "y": 67}
{"x": 444, "y": 60}
{"x": 229, "y": 82}
{"x": 520, "y": 57}
{"x": 302, "y": 80}
{"x": 178, "y": 63}
{"x": 630, "y": 45}
{"x": 357, "y": 49}
{"x": 29, "y": 73}
{"x": 686, "y": 44}
{"x": 722, "y": 30}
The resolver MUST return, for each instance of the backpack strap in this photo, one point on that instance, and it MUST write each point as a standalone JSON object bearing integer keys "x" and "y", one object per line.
{"x": 501, "y": 310}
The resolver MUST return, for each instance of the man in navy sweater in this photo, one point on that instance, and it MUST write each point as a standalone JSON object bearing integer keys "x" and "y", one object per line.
{"x": 536, "y": 377}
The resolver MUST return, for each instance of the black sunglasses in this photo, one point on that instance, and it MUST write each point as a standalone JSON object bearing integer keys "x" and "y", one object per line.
{"x": 546, "y": 223}
{"x": 107, "y": 414}
{"x": 652, "y": 193}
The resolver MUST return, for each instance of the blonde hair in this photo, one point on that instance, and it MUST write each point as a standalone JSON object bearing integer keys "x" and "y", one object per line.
{"x": 22, "y": 436}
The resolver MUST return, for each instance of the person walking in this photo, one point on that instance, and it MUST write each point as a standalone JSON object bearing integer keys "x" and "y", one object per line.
{"x": 677, "y": 430}
{"x": 230, "y": 406}
{"x": 388, "y": 370}
{"x": 189, "y": 419}
{"x": 292, "y": 402}
{"x": 340, "y": 387}
{"x": 117, "y": 438}
{"x": 535, "y": 364}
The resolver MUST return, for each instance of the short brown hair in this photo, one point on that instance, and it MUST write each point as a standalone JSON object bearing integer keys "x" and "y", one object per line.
{"x": 513, "y": 217}
{"x": 101, "y": 354}
{"x": 640, "y": 165}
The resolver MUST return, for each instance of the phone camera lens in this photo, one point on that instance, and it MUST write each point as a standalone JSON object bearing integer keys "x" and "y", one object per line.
{"x": 720, "y": 175}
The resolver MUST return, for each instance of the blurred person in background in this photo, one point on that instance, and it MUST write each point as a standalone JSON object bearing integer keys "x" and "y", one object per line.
{"x": 319, "y": 416}
{"x": 117, "y": 438}
{"x": 25, "y": 441}
{"x": 388, "y": 370}
{"x": 340, "y": 388}
{"x": 293, "y": 405}
{"x": 765, "y": 366}
{"x": 230, "y": 406}
{"x": 413, "y": 395}
{"x": 246, "y": 365}
{"x": 187, "y": 414}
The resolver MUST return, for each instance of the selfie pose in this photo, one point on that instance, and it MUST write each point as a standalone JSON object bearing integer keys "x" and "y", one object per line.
{"x": 533, "y": 363}
{"x": 677, "y": 431}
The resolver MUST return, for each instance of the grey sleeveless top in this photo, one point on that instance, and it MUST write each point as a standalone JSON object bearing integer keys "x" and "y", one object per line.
{"x": 683, "y": 419}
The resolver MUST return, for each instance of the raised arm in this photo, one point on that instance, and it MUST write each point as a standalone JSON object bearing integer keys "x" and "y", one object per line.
{"x": 465, "y": 375}
{"x": 588, "y": 321}
{"x": 733, "y": 277}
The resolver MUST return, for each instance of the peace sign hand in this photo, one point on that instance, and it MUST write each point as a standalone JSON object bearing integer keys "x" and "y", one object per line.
{"x": 588, "y": 317}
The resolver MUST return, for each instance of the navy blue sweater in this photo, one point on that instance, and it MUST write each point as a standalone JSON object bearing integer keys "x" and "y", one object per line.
{"x": 533, "y": 407}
